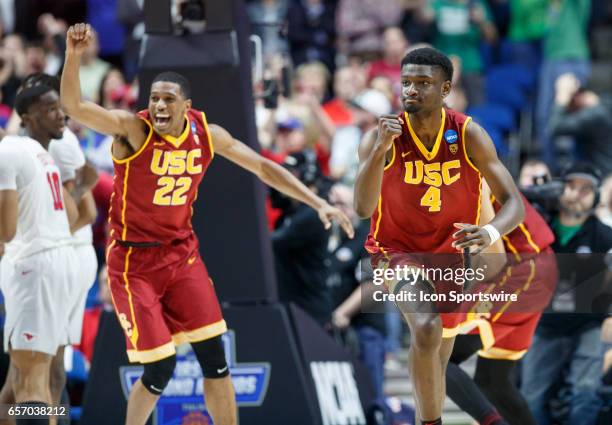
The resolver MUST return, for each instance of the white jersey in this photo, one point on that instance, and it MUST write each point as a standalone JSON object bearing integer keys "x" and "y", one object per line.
{"x": 68, "y": 156}
{"x": 42, "y": 223}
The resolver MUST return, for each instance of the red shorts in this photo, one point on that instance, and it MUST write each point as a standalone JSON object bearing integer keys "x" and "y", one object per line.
{"x": 163, "y": 297}
{"x": 449, "y": 312}
{"x": 506, "y": 329}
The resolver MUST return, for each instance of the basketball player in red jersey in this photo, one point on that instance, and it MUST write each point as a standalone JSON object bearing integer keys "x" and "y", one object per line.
{"x": 501, "y": 332}
{"x": 160, "y": 287}
{"x": 420, "y": 179}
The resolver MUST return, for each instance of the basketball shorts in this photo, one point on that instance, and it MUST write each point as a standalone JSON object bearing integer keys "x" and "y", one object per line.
{"x": 163, "y": 297}
{"x": 36, "y": 289}
{"x": 434, "y": 267}
{"x": 507, "y": 328}
{"x": 86, "y": 276}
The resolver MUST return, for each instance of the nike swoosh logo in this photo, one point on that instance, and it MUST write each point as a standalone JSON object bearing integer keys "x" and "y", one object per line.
{"x": 159, "y": 143}
{"x": 222, "y": 370}
{"x": 405, "y": 154}
{"x": 26, "y": 272}
{"x": 156, "y": 389}
{"x": 191, "y": 260}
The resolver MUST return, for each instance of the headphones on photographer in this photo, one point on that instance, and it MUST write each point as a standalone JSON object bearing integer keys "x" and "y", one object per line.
{"x": 586, "y": 171}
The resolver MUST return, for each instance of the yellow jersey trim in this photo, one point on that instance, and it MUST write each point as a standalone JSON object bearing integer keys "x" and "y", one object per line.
{"x": 200, "y": 334}
{"x": 474, "y": 321}
{"x": 479, "y": 208}
{"x": 178, "y": 141}
{"x": 210, "y": 143}
{"x": 529, "y": 239}
{"x": 463, "y": 141}
{"x": 152, "y": 355}
{"x": 134, "y": 336}
{"x": 436, "y": 147}
{"x": 124, "y": 201}
{"x": 519, "y": 290}
{"x": 512, "y": 248}
{"x": 392, "y": 157}
{"x": 379, "y": 211}
{"x": 139, "y": 151}
{"x": 501, "y": 354}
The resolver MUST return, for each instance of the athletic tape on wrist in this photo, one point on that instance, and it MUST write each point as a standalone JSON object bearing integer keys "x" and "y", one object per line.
{"x": 493, "y": 233}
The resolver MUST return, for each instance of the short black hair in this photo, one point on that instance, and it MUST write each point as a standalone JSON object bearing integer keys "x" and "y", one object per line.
{"x": 432, "y": 57}
{"x": 38, "y": 78}
{"x": 174, "y": 77}
{"x": 30, "y": 96}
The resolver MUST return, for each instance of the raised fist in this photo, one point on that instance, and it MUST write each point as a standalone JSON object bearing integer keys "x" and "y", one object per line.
{"x": 78, "y": 38}
{"x": 389, "y": 129}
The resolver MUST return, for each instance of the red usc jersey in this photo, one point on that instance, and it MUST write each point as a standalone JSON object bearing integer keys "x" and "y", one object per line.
{"x": 531, "y": 236}
{"x": 424, "y": 192}
{"x": 154, "y": 189}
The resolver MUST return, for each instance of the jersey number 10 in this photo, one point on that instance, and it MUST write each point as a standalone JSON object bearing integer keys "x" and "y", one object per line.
{"x": 56, "y": 191}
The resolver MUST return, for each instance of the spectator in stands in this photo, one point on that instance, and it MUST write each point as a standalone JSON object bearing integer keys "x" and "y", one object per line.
{"x": 311, "y": 31}
{"x": 528, "y": 25}
{"x": 460, "y": 27}
{"x": 348, "y": 83}
{"x": 268, "y": 20}
{"x": 570, "y": 338}
{"x": 579, "y": 113}
{"x": 92, "y": 71}
{"x": 566, "y": 50}
{"x": 366, "y": 108}
{"x": 416, "y": 22}
{"x": 394, "y": 50}
{"x": 35, "y": 58}
{"x": 456, "y": 99}
{"x": 533, "y": 171}
{"x": 361, "y": 24}
{"x": 309, "y": 91}
{"x": 54, "y": 40}
{"x": 300, "y": 244}
{"x": 349, "y": 281}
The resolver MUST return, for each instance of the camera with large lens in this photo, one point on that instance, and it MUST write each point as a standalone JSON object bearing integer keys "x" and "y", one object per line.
{"x": 544, "y": 194}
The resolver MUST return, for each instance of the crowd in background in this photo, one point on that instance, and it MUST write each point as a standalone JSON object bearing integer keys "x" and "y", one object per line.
{"x": 535, "y": 73}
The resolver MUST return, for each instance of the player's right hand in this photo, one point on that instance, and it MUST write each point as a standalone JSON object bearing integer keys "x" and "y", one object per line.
{"x": 78, "y": 38}
{"x": 389, "y": 129}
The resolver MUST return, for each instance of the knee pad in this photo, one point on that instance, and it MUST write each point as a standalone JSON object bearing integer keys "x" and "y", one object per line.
{"x": 157, "y": 374}
{"x": 211, "y": 356}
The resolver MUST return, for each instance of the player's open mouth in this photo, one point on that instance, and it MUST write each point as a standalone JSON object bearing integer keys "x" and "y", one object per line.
{"x": 162, "y": 120}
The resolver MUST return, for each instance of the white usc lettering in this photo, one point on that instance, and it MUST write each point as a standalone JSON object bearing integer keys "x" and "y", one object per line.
{"x": 176, "y": 163}
{"x": 173, "y": 190}
{"x": 432, "y": 174}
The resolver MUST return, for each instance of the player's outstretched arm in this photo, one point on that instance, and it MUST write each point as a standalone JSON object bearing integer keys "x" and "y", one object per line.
{"x": 372, "y": 154}
{"x": 275, "y": 176}
{"x": 115, "y": 122}
{"x": 481, "y": 151}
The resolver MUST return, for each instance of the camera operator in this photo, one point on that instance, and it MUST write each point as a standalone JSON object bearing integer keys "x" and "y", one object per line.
{"x": 567, "y": 344}
{"x": 300, "y": 243}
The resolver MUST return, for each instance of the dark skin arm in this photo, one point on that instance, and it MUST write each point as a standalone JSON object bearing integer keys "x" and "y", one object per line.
{"x": 481, "y": 152}
{"x": 374, "y": 150}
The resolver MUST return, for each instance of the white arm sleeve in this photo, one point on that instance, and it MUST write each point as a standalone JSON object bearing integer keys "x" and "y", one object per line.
{"x": 10, "y": 161}
{"x": 67, "y": 154}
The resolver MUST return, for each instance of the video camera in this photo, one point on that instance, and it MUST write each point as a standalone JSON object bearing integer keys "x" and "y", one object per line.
{"x": 544, "y": 194}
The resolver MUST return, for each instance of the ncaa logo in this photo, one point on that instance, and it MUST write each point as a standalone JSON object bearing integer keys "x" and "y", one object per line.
{"x": 451, "y": 136}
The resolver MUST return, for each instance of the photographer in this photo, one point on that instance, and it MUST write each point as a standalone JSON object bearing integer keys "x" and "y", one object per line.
{"x": 567, "y": 345}
{"x": 300, "y": 243}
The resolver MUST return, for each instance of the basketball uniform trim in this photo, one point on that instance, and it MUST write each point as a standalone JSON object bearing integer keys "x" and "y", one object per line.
{"x": 529, "y": 238}
{"x": 124, "y": 201}
{"x": 392, "y": 158}
{"x": 467, "y": 158}
{"x": 178, "y": 141}
{"x": 200, "y": 334}
{"x": 474, "y": 320}
{"x": 436, "y": 147}
{"x": 525, "y": 287}
{"x": 512, "y": 248}
{"x": 152, "y": 355}
{"x": 139, "y": 151}
{"x": 134, "y": 336}
{"x": 496, "y": 353}
{"x": 210, "y": 143}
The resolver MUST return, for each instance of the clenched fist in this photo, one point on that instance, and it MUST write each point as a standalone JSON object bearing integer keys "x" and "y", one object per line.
{"x": 389, "y": 129}
{"x": 78, "y": 38}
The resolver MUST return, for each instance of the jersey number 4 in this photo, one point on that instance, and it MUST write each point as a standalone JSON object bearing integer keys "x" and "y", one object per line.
{"x": 56, "y": 190}
{"x": 172, "y": 191}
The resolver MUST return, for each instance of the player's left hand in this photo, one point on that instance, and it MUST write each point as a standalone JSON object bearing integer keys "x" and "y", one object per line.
{"x": 327, "y": 213}
{"x": 470, "y": 236}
